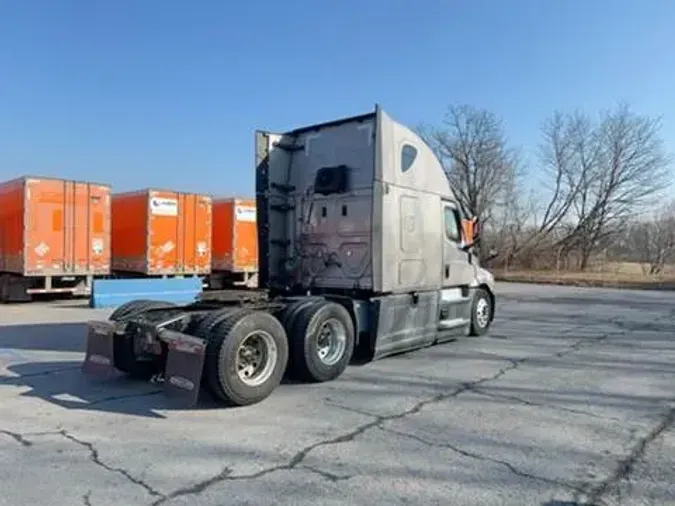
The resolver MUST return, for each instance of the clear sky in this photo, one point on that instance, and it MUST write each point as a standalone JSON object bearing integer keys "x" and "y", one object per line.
{"x": 165, "y": 93}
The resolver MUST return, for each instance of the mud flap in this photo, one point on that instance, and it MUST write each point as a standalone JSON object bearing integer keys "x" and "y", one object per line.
{"x": 184, "y": 363}
{"x": 99, "y": 361}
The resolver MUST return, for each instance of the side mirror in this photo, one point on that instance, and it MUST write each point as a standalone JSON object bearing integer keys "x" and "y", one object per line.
{"x": 470, "y": 230}
{"x": 470, "y": 233}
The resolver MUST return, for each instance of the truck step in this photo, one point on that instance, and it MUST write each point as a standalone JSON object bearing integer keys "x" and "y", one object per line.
{"x": 452, "y": 323}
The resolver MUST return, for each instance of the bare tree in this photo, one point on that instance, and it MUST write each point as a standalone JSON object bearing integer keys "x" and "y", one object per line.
{"x": 628, "y": 168}
{"x": 481, "y": 168}
{"x": 564, "y": 165}
{"x": 600, "y": 174}
{"x": 653, "y": 240}
{"x": 597, "y": 176}
{"x": 563, "y": 181}
{"x": 510, "y": 229}
{"x": 573, "y": 149}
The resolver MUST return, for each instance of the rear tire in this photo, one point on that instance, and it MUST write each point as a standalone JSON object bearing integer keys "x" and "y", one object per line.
{"x": 290, "y": 313}
{"x": 204, "y": 326}
{"x": 481, "y": 313}
{"x": 205, "y": 323}
{"x": 246, "y": 357}
{"x": 321, "y": 342}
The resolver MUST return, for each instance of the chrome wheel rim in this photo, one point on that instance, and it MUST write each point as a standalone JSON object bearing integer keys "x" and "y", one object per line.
{"x": 482, "y": 312}
{"x": 331, "y": 341}
{"x": 256, "y": 358}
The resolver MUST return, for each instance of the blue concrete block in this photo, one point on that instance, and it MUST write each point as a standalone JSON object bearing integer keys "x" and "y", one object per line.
{"x": 110, "y": 293}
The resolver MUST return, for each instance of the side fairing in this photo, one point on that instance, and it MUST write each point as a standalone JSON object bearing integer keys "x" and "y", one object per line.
{"x": 407, "y": 222}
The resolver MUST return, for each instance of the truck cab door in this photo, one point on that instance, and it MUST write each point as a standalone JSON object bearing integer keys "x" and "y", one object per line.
{"x": 457, "y": 274}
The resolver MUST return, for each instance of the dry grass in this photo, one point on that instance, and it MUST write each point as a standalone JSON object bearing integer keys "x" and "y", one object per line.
{"x": 615, "y": 274}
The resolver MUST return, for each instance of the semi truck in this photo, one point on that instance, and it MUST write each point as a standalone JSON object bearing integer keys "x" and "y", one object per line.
{"x": 362, "y": 250}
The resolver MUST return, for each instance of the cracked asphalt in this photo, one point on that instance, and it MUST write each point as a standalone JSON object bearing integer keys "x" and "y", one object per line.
{"x": 568, "y": 401}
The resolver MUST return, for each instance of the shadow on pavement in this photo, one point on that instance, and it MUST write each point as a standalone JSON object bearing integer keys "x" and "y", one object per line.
{"x": 32, "y": 353}
{"x": 63, "y": 384}
{"x": 61, "y": 337}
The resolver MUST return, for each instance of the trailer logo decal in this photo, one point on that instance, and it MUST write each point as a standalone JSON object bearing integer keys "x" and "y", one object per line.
{"x": 181, "y": 382}
{"x": 163, "y": 207}
{"x": 245, "y": 213}
{"x": 202, "y": 249}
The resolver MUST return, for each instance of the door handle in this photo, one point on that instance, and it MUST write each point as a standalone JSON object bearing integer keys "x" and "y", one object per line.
{"x": 447, "y": 271}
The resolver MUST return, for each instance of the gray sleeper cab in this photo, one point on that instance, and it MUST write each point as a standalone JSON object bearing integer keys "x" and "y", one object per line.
{"x": 362, "y": 207}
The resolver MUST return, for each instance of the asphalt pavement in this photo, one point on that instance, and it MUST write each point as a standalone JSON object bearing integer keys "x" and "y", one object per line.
{"x": 570, "y": 400}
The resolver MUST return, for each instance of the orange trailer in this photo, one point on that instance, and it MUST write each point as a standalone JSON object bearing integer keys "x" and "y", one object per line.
{"x": 161, "y": 232}
{"x": 54, "y": 236}
{"x": 235, "y": 243}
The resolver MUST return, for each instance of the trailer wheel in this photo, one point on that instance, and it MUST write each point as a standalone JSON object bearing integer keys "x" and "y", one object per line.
{"x": 246, "y": 357}
{"x": 481, "y": 313}
{"x": 124, "y": 354}
{"x": 321, "y": 342}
